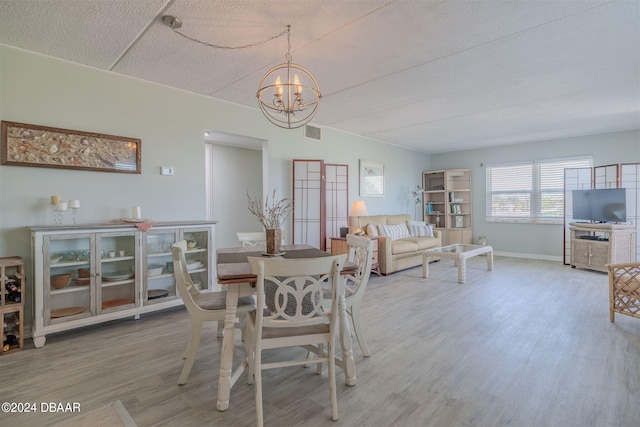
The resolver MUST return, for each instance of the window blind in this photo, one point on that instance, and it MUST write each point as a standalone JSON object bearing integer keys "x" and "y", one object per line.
{"x": 529, "y": 190}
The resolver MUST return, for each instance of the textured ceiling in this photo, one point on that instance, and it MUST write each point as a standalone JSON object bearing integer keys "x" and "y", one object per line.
{"x": 433, "y": 76}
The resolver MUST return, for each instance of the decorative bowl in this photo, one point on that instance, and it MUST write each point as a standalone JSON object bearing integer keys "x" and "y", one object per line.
{"x": 82, "y": 281}
{"x": 194, "y": 265}
{"x": 192, "y": 244}
{"x": 154, "y": 270}
{"x": 84, "y": 273}
{"x": 60, "y": 281}
{"x": 117, "y": 276}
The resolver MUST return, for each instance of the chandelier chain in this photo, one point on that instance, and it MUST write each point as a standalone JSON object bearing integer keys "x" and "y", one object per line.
{"x": 246, "y": 46}
{"x": 288, "y": 55}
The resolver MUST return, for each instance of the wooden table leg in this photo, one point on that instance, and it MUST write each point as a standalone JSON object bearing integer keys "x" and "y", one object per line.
{"x": 226, "y": 358}
{"x": 349, "y": 364}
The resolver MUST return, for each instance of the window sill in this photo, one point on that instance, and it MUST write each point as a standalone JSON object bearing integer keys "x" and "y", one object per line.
{"x": 547, "y": 221}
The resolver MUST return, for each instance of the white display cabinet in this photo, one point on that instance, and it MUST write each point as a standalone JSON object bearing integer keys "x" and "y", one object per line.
{"x": 85, "y": 275}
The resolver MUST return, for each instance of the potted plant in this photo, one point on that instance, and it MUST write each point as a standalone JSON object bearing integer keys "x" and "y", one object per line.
{"x": 271, "y": 215}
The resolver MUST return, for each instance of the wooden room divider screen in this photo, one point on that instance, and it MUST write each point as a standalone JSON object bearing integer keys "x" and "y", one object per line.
{"x": 320, "y": 202}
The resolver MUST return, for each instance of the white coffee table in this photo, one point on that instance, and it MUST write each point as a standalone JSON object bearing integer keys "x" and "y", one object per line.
{"x": 459, "y": 253}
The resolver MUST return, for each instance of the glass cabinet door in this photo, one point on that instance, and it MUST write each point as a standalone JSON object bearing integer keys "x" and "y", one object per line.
{"x": 117, "y": 278}
{"x": 197, "y": 256}
{"x": 160, "y": 284}
{"x": 69, "y": 277}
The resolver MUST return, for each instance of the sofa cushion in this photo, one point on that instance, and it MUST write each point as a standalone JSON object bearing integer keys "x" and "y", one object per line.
{"x": 403, "y": 246}
{"x": 371, "y": 230}
{"x": 420, "y": 229}
{"x": 423, "y": 242}
{"x": 394, "y": 232}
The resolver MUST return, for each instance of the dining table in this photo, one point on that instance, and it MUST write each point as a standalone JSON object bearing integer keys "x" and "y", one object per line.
{"x": 234, "y": 273}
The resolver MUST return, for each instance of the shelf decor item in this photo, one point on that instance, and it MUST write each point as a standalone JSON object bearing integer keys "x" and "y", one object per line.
{"x": 40, "y": 146}
{"x": 271, "y": 215}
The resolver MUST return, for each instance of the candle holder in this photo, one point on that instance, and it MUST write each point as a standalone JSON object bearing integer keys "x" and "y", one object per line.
{"x": 74, "y": 216}
{"x": 58, "y": 216}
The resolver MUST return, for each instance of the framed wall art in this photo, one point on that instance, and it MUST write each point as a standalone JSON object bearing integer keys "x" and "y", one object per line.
{"x": 371, "y": 178}
{"x": 47, "y": 147}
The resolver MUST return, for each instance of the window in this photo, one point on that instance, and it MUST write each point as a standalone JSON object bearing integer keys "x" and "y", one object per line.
{"x": 529, "y": 192}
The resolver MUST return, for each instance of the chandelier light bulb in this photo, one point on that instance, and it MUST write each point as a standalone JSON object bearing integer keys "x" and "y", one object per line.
{"x": 296, "y": 82}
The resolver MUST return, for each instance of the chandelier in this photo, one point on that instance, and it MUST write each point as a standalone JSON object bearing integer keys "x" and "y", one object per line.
{"x": 288, "y": 94}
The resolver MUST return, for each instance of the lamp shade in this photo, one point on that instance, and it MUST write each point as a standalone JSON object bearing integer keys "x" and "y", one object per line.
{"x": 358, "y": 208}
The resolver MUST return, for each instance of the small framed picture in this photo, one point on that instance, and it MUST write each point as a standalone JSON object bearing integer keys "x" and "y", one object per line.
{"x": 459, "y": 222}
{"x": 371, "y": 178}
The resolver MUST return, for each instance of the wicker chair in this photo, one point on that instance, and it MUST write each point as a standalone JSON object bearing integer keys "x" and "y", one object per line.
{"x": 624, "y": 289}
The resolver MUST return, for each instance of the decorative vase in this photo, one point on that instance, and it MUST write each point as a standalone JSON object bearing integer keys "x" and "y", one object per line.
{"x": 274, "y": 241}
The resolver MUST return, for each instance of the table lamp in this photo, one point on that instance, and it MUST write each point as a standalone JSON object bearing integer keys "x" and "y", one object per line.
{"x": 358, "y": 208}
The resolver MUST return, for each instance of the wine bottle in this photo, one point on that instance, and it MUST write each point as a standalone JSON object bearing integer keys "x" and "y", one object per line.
{"x": 11, "y": 285}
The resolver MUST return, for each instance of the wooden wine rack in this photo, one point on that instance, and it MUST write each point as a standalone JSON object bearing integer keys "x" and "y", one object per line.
{"x": 11, "y": 312}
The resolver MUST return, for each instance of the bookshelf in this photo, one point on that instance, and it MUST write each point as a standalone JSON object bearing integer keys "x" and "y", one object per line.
{"x": 447, "y": 204}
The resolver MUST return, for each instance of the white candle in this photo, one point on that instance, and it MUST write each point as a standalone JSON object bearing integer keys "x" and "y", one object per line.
{"x": 74, "y": 204}
{"x": 55, "y": 199}
{"x": 137, "y": 212}
{"x": 62, "y": 206}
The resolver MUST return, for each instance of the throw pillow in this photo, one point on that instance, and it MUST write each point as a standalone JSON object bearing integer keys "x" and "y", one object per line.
{"x": 371, "y": 230}
{"x": 394, "y": 232}
{"x": 420, "y": 229}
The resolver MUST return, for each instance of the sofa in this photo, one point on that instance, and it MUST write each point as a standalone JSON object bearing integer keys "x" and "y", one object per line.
{"x": 397, "y": 249}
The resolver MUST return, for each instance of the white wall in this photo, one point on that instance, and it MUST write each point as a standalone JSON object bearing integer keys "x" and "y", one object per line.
{"x": 234, "y": 170}
{"x": 40, "y": 90}
{"x": 536, "y": 240}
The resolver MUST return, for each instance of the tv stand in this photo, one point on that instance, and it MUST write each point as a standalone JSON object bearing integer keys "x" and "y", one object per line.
{"x": 593, "y": 246}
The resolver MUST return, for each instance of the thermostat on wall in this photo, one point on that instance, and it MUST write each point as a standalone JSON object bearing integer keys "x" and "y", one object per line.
{"x": 164, "y": 170}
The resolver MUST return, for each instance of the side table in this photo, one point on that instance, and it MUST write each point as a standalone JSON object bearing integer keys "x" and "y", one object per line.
{"x": 339, "y": 246}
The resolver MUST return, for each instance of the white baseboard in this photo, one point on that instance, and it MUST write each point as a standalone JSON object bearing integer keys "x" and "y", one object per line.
{"x": 528, "y": 256}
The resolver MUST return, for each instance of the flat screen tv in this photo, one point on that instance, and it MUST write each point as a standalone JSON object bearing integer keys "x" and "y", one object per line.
{"x": 602, "y": 205}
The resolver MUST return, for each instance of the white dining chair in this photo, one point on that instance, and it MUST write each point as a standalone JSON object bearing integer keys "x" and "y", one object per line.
{"x": 290, "y": 312}
{"x": 251, "y": 239}
{"x": 201, "y": 306}
{"x": 361, "y": 254}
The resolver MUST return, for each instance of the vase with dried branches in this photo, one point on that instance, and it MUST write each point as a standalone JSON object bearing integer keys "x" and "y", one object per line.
{"x": 271, "y": 215}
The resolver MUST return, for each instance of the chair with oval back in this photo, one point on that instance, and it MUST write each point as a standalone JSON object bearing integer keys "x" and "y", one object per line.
{"x": 290, "y": 312}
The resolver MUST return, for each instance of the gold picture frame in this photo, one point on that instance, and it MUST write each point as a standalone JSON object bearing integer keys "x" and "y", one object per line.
{"x": 47, "y": 147}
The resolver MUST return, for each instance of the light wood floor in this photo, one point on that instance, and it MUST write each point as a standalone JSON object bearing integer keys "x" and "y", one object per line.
{"x": 528, "y": 344}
